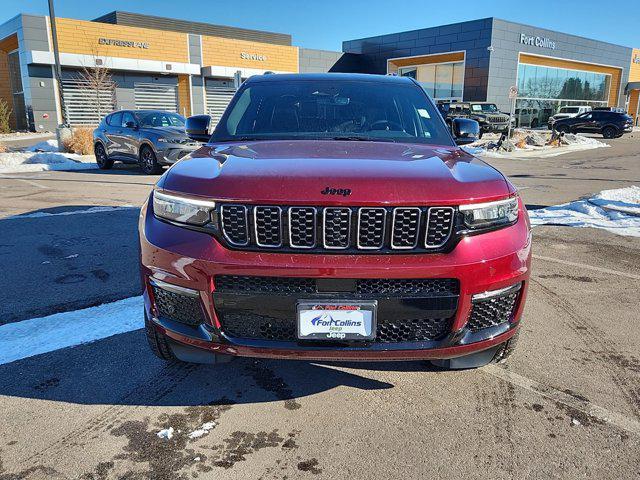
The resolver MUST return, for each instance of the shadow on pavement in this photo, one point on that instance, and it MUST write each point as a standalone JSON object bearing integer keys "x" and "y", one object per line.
{"x": 60, "y": 262}
{"x": 121, "y": 370}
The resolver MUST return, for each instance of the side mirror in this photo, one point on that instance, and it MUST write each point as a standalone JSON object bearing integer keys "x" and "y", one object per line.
{"x": 465, "y": 130}
{"x": 197, "y": 128}
{"x": 131, "y": 125}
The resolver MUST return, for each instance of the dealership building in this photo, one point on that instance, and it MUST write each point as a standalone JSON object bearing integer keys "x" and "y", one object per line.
{"x": 480, "y": 60}
{"x": 153, "y": 62}
{"x": 194, "y": 68}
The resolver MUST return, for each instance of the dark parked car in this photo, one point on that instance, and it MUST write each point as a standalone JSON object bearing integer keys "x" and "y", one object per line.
{"x": 490, "y": 119}
{"x": 333, "y": 217}
{"x": 150, "y": 138}
{"x": 609, "y": 124}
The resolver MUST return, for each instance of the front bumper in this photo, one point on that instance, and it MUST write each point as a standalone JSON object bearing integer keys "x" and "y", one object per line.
{"x": 192, "y": 260}
{"x": 494, "y": 127}
{"x": 170, "y": 153}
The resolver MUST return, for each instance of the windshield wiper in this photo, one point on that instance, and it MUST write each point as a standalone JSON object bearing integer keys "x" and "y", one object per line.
{"x": 358, "y": 138}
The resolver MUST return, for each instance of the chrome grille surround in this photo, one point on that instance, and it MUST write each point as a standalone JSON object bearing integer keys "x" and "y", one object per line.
{"x": 438, "y": 219}
{"x": 371, "y": 228}
{"x": 302, "y": 227}
{"x": 405, "y": 228}
{"x": 338, "y": 229}
{"x": 235, "y": 224}
{"x": 267, "y": 223}
{"x": 342, "y": 224}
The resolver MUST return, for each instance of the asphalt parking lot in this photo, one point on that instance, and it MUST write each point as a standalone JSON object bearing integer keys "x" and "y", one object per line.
{"x": 566, "y": 405}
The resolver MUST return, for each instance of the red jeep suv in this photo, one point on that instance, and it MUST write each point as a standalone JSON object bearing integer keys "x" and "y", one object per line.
{"x": 334, "y": 217}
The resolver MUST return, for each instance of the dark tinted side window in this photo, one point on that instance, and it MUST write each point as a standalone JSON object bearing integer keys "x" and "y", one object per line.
{"x": 115, "y": 119}
{"x": 127, "y": 117}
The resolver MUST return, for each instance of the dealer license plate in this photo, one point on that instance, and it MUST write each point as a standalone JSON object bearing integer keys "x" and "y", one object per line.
{"x": 338, "y": 320}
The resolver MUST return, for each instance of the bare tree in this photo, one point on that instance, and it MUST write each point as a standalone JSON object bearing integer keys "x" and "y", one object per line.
{"x": 97, "y": 82}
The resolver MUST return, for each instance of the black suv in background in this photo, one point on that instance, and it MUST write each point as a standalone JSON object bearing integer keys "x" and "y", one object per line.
{"x": 609, "y": 124}
{"x": 488, "y": 116}
{"x": 150, "y": 138}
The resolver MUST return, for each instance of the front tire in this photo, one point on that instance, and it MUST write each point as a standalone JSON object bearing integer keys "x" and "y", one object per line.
{"x": 148, "y": 161}
{"x": 103, "y": 161}
{"x": 609, "y": 132}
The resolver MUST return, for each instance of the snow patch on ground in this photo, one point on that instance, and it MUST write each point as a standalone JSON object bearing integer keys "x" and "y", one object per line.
{"x": 202, "y": 431}
{"x": 46, "y": 146}
{"x": 16, "y": 162}
{"x": 166, "y": 433}
{"x": 530, "y": 151}
{"x": 617, "y": 211}
{"x": 72, "y": 212}
{"x": 61, "y": 330}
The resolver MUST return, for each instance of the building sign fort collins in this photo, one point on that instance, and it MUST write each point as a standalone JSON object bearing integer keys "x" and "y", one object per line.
{"x": 122, "y": 43}
{"x": 541, "y": 42}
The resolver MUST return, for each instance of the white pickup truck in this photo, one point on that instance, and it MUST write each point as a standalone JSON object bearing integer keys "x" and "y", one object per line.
{"x": 567, "y": 112}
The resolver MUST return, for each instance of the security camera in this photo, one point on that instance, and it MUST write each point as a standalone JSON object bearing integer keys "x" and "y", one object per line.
{"x": 490, "y": 48}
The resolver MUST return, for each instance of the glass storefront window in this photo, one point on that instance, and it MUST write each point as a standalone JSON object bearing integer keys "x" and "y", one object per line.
{"x": 440, "y": 80}
{"x": 543, "y": 90}
{"x": 540, "y": 82}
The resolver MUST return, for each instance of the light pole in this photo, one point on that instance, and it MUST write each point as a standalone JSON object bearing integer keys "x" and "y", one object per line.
{"x": 57, "y": 69}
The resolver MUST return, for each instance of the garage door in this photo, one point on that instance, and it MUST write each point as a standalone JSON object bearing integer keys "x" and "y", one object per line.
{"x": 86, "y": 105}
{"x": 156, "y": 96}
{"x": 217, "y": 100}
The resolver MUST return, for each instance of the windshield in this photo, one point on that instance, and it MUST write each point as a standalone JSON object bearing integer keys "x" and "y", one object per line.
{"x": 484, "y": 107}
{"x": 569, "y": 110}
{"x": 160, "y": 119}
{"x": 322, "y": 109}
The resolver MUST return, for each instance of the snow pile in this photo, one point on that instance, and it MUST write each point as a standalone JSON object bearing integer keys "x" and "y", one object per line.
{"x": 529, "y": 144}
{"x": 14, "y": 162}
{"x": 46, "y": 146}
{"x": 617, "y": 211}
{"x": 203, "y": 430}
{"x": 61, "y": 330}
{"x": 165, "y": 434}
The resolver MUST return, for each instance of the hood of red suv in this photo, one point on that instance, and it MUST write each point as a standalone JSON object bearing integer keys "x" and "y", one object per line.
{"x": 335, "y": 172}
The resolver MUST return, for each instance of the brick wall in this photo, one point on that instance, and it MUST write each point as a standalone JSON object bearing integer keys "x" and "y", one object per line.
{"x": 227, "y": 52}
{"x": 184, "y": 96}
{"x": 82, "y": 37}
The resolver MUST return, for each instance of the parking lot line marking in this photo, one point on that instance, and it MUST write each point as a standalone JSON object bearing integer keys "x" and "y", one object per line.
{"x": 588, "y": 267}
{"x": 72, "y": 212}
{"x": 600, "y": 413}
{"x": 32, "y": 183}
{"x": 67, "y": 329}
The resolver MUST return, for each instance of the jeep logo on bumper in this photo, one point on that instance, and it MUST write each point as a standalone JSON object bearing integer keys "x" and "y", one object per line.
{"x": 345, "y": 192}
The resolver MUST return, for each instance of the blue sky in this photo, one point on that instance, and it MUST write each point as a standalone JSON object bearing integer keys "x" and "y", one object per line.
{"x": 324, "y": 24}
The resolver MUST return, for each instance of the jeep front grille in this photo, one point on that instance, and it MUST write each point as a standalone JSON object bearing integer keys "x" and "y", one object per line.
{"x": 364, "y": 229}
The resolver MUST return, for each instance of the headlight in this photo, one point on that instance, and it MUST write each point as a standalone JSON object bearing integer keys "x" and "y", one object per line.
{"x": 185, "y": 210}
{"x": 491, "y": 214}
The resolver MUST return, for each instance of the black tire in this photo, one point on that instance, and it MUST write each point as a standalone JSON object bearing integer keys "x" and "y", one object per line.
{"x": 609, "y": 132}
{"x": 534, "y": 123}
{"x": 562, "y": 129}
{"x": 148, "y": 161}
{"x": 158, "y": 342}
{"x": 103, "y": 161}
{"x": 506, "y": 349}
